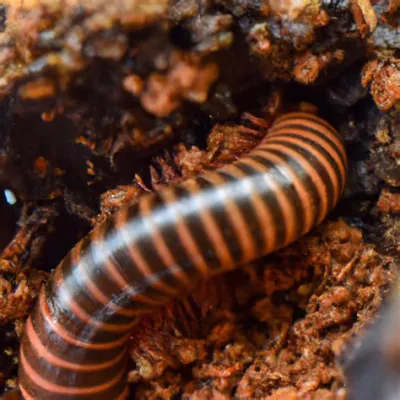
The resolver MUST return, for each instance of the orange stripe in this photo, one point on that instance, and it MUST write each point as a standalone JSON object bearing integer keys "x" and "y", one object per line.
{"x": 124, "y": 394}
{"x": 98, "y": 243}
{"x": 65, "y": 335}
{"x": 24, "y": 392}
{"x": 184, "y": 234}
{"x": 65, "y": 296}
{"x": 239, "y": 224}
{"x": 299, "y": 186}
{"x": 66, "y": 390}
{"x": 281, "y": 130}
{"x": 309, "y": 169}
{"x": 141, "y": 264}
{"x": 285, "y": 205}
{"x": 211, "y": 227}
{"x": 263, "y": 213}
{"x": 97, "y": 294}
{"x": 160, "y": 245}
{"x": 325, "y": 163}
{"x": 43, "y": 352}
{"x": 319, "y": 125}
{"x": 305, "y": 118}
{"x": 27, "y": 396}
{"x": 326, "y": 146}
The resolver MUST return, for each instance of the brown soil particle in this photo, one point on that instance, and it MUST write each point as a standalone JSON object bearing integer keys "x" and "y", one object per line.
{"x": 19, "y": 283}
{"x": 389, "y": 201}
{"x": 162, "y": 93}
{"x": 383, "y": 77}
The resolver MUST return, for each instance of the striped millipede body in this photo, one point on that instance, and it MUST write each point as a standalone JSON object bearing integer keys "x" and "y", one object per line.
{"x": 75, "y": 340}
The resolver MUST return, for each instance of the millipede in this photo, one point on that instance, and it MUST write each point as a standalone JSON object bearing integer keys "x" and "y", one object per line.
{"x": 75, "y": 340}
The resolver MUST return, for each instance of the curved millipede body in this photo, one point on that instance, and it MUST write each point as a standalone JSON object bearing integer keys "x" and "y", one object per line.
{"x": 75, "y": 341}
